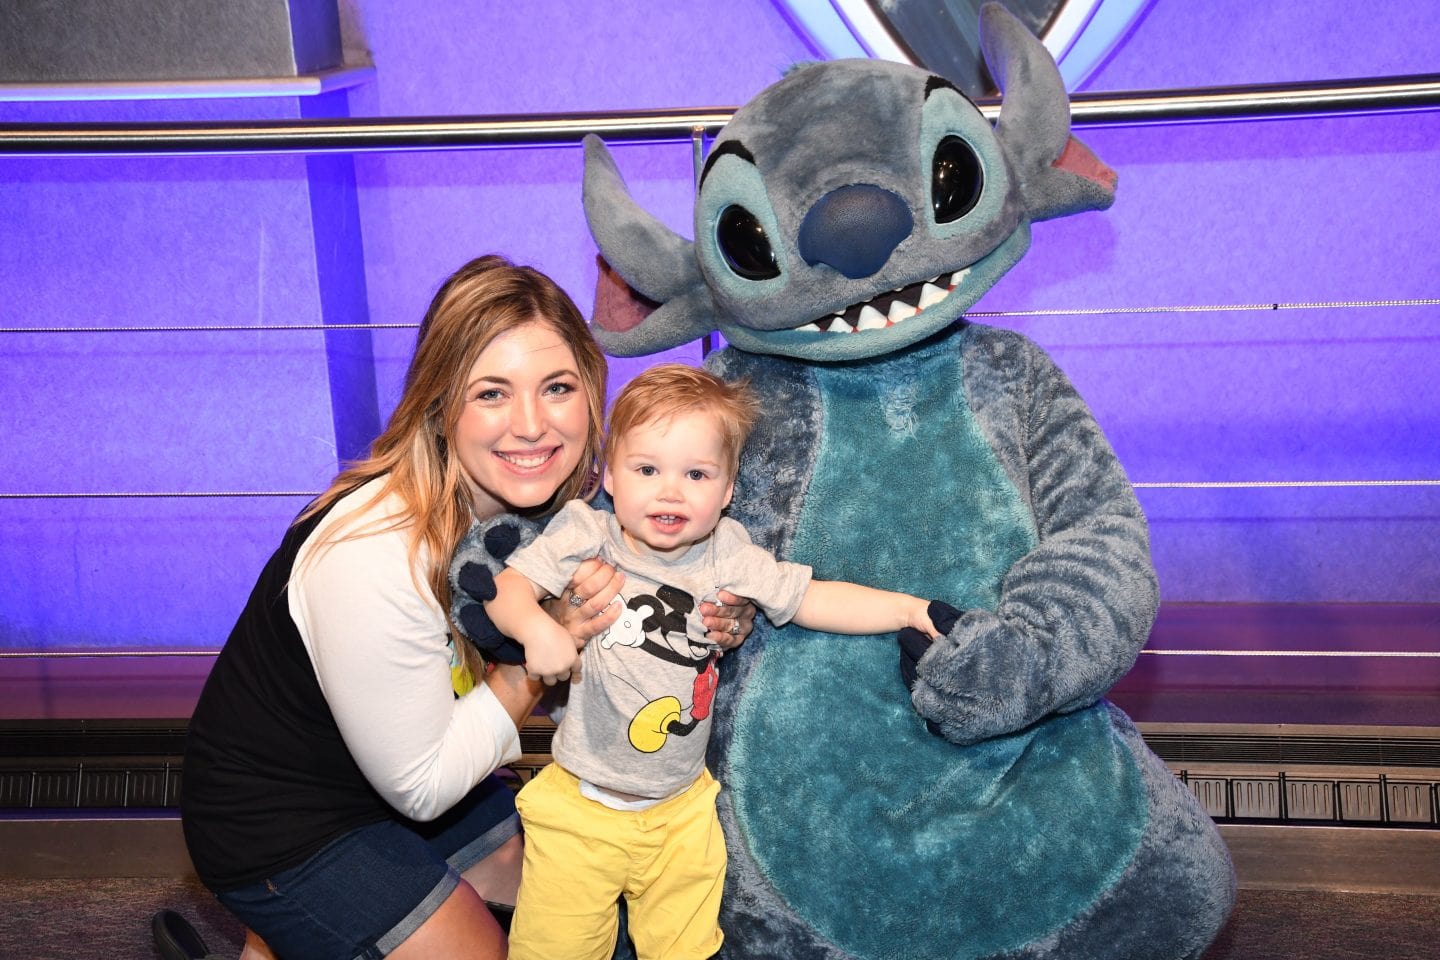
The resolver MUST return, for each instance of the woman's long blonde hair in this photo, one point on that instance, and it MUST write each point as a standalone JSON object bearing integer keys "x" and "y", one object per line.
{"x": 487, "y": 297}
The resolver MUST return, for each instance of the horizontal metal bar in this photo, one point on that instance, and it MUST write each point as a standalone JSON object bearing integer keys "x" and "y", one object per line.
{"x": 304, "y": 85}
{"x": 1401, "y": 654}
{"x": 1277, "y": 484}
{"x": 101, "y": 654}
{"x": 369, "y": 135}
{"x": 160, "y": 495}
{"x": 1270, "y": 101}
{"x": 1378, "y": 95}
{"x": 218, "y": 328}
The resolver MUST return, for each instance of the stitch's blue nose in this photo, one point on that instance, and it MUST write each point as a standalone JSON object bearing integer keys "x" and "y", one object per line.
{"x": 855, "y": 229}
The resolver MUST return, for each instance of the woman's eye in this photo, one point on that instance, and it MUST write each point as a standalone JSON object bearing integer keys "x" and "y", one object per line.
{"x": 955, "y": 180}
{"x": 744, "y": 246}
{"x": 489, "y": 396}
{"x": 560, "y": 389}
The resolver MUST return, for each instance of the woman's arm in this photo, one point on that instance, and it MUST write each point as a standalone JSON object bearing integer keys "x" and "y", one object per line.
{"x": 378, "y": 642}
{"x": 515, "y": 691}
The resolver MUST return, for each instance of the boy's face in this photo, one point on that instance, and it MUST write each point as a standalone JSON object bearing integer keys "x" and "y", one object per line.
{"x": 669, "y": 480}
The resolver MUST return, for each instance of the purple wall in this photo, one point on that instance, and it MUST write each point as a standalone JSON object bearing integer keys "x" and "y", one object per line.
{"x": 1334, "y": 209}
{"x": 1290, "y": 211}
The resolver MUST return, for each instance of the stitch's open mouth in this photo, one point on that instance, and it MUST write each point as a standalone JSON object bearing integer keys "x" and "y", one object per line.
{"x": 889, "y": 308}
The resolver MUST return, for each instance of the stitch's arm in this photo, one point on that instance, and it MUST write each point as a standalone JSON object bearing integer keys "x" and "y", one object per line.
{"x": 1075, "y": 611}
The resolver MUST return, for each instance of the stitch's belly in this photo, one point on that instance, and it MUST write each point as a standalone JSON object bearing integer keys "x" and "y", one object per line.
{"x": 884, "y": 837}
{"x": 887, "y": 840}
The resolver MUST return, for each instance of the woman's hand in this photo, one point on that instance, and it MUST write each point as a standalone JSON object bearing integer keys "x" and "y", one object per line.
{"x": 517, "y": 693}
{"x": 729, "y": 621}
{"x": 584, "y": 608}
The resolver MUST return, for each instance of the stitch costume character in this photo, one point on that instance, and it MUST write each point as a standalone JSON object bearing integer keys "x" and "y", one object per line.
{"x": 847, "y": 217}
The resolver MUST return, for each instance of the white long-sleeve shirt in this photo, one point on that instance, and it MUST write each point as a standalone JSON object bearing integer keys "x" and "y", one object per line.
{"x": 381, "y": 649}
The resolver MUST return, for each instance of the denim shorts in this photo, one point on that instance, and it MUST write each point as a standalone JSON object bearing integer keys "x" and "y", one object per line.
{"x": 365, "y": 892}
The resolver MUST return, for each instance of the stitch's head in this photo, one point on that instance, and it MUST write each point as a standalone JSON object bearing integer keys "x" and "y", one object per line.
{"x": 852, "y": 209}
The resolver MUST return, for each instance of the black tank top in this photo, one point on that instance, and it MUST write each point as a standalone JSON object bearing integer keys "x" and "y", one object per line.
{"x": 267, "y": 780}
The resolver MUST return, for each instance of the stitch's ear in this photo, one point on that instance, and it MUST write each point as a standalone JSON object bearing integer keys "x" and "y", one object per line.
{"x": 650, "y": 295}
{"x": 1058, "y": 174}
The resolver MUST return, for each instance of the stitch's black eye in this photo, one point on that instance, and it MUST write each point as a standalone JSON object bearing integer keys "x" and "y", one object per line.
{"x": 744, "y": 245}
{"x": 955, "y": 180}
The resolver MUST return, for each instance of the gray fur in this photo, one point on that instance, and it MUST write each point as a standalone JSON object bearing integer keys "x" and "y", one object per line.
{"x": 1075, "y": 611}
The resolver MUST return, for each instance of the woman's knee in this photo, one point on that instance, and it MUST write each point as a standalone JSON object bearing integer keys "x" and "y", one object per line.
{"x": 497, "y": 877}
{"x": 462, "y": 926}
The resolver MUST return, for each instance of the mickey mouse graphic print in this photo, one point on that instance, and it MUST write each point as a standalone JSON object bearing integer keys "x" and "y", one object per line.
{"x": 638, "y": 717}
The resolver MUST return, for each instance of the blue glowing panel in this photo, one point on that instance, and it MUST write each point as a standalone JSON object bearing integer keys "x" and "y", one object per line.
{"x": 153, "y": 243}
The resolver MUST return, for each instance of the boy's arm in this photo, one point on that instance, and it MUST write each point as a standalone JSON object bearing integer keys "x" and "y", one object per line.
{"x": 834, "y": 606}
{"x": 549, "y": 649}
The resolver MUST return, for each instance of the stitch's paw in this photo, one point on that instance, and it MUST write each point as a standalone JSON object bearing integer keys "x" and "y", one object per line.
{"x": 476, "y": 585}
{"x": 502, "y": 539}
{"x": 479, "y": 556}
{"x": 477, "y": 581}
{"x": 914, "y": 645}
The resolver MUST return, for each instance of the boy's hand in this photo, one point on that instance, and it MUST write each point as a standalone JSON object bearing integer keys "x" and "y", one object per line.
{"x": 479, "y": 556}
{"x": 550, "y": 657}
{"x": 472, "y": 585}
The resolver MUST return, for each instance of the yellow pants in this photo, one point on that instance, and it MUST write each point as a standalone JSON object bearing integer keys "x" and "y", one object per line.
{"x": 668, "y": 862}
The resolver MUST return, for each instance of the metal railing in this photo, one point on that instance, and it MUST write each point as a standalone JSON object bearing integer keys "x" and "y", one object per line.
{"x": 1359, "y": 96}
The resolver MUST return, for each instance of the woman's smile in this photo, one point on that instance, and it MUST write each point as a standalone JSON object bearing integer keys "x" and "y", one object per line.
{"x": 525, "y": 421}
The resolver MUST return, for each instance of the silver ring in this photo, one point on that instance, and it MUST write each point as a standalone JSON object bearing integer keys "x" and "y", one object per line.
{"x": 735, "y": 629}
{"x": 576, "y": 600}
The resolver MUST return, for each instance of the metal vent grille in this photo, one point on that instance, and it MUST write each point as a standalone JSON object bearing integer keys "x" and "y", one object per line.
{"x": 1335, "y": 750}
{"x": 1355, "y": 801}
{"x": 94, "y": 787}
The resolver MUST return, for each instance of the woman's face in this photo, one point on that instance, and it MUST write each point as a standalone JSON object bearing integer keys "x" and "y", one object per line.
{"x": 525, "y": 421}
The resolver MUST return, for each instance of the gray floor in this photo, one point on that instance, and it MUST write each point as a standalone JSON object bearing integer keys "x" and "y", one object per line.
{"x": 109, "y": 918}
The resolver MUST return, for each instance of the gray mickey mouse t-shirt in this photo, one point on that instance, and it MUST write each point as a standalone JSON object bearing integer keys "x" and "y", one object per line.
{"x": 639, "y": 715}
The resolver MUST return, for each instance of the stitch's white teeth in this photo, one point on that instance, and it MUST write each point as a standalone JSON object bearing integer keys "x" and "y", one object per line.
{"x": 931, "y": 295}
{"x": 872, "y": 319}
{"x": 900, "y": 310}
{"x": 868, "y": 317}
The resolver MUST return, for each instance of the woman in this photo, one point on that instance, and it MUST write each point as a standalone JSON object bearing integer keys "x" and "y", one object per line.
{"x": 339, "y": 794}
